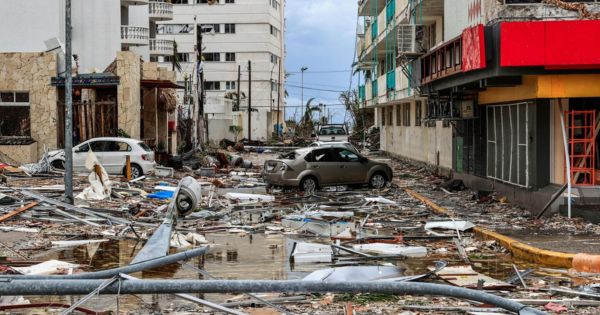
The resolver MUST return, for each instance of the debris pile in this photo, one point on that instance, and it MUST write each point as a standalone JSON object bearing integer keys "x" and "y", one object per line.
{"x": 214, "y": 212}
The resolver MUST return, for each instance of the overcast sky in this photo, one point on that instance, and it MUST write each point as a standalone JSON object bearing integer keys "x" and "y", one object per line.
{"x": 321, "y": 36}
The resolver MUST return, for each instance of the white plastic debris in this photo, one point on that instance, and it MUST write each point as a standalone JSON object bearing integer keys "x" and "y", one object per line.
{"x": 178, "y": 241}
{"x": 312, "y": 253}
{"x": 76, "y": 243}
{"x": 449, "y": 225}
{"x": 50, "y": 267}
{"x": 100, "y": 186}
{"x": 380, "y": 199}
{"x": 355, "y": 273}
{"x": 392, "y": 249}
{"x": 18, "y": 229}
{"x": 249, "y": 198}
{"x": 195, "y": 238}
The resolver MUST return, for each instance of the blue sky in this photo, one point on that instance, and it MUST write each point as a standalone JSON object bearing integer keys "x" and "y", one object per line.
{"x": 320, "y": 35}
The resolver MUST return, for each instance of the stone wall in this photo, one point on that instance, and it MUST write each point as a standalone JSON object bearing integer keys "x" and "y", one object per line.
{"x": 128, "y": 69}
{"x": 21, "y": 154}
{"x": 32, "y": 72}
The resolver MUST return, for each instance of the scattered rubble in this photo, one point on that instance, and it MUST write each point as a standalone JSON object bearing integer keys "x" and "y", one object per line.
{"x": 243, "y": 232}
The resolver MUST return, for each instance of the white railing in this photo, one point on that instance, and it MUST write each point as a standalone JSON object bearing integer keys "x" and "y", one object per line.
{"x": 161, "y": 10}
{"x": 134, "y": 35}
{"x": 162, "y": 47}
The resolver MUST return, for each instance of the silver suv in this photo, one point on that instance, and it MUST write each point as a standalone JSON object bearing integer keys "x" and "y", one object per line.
{"x": 310, "y": 168}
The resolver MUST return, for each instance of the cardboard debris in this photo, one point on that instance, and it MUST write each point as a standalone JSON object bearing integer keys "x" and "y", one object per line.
{"x": 465, "y": 276}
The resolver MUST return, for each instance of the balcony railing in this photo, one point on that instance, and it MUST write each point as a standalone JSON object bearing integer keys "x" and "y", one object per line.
{"x": 161, "y": 47}
{"x": 134, "y": 2}
{"x": 160, "y": 11}
{"x": 134, "y": 35}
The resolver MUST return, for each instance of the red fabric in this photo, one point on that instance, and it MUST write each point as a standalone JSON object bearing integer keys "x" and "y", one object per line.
{"x": 473, "y": 48}
{"x": 550, "y": 44}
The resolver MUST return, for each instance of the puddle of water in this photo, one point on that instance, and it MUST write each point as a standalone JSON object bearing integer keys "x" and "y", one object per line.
{"x": 233, "y": 256}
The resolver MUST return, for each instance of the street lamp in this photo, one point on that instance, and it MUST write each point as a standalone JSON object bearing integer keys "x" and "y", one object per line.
{"x": 302, "y": 85}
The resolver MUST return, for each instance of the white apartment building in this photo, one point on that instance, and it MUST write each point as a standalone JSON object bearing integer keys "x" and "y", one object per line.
{"x": 117, "y": 89}
{"x": 234, "y": 32}
{"x": 101, "y": 28}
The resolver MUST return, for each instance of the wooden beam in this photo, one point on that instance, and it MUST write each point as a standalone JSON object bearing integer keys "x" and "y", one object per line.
{"x": 18, "y": 211}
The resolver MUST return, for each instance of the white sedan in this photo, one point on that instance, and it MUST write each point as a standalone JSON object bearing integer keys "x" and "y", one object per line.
{"x": 112, "y": 153}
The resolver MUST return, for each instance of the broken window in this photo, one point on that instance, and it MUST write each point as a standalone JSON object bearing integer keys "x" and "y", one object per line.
{"x": 398, "y": 115}
{"x": 14, "y": 114}
{"x": 406, "y": 114}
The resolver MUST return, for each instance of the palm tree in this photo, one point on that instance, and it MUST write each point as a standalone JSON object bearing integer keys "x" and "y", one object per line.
{"x": 175, "y": 61}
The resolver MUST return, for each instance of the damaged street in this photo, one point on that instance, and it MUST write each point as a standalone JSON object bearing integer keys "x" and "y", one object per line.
{"x": 238, "y": 231}
{"x": 299, "y": 157}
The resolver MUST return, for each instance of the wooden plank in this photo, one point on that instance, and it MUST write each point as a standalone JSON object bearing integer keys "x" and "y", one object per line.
{"x": 18, "y": 211}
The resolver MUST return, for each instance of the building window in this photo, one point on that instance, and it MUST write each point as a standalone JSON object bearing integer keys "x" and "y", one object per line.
{"x": 274, "y": 59}
{"x": 208, "y": 28}
{"x": 229, "y": 28}
{"x": 174, "y": 29}
{"x": 183, "y": 57}
{"x": 229, "y": 1}
{"x": 274, "y": 86}
{"x": 274, "y": 31}
{"x": 229, "y": 56}
{"x": 508, "y": 143}
{"x": 14, "y": 114}
{"x": 418, "y": 113}
{"x": 274, "y": 4}
{"x": 229, "y": 85}
{"x": 382, "y": 111}
{"x": 406, "y": 114}
{"x": 212, "y": 85}
{"x": 207, "y": 1}
{"x": 398, "y": 115}
{"x": 215, "y": 56}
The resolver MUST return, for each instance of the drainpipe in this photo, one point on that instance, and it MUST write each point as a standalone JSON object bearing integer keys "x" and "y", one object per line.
{"x": 567, "y": 159}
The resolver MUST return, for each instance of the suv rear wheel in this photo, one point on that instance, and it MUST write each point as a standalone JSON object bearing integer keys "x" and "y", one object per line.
{"x": 309, "y": 185}
{"x": 378, "y": 180}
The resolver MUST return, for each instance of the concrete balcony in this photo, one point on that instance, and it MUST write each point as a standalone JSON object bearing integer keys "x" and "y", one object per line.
{"x": 134, "y": 2}
{"x": 160, "y": 11}
{"x": 134, "y": 35}
{"x": 161, "y": 47}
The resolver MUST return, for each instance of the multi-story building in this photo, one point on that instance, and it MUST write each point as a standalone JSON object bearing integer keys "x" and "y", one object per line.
{"x": 234, "y": 33}
{"x": 117, "y": 90}
{"x": 482, "y": 89}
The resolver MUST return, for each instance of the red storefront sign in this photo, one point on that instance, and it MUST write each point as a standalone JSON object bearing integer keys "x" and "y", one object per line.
{"x": 473, "y": 48}
{"x": 550, "y": 44}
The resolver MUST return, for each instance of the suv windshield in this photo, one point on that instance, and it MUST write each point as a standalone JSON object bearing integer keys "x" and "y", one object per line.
{"x": 325, "y": 131}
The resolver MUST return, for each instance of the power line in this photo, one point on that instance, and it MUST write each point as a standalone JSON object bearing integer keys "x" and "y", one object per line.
{"x": 314, "y": 89}
{"x": 324, "y": 71}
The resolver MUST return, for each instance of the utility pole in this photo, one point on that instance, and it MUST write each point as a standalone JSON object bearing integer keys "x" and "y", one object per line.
{"x": 278, "y": 99}
{"x": 302, "y": 86}
{"x": 200, "y": 84}
{"x": 68, "y": 107}
{"x": 239, "y": 83}
{"x": 249, "y": 100}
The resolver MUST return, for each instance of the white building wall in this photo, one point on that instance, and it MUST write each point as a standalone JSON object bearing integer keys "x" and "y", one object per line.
{"x": 252, "y": 41}
{"x": 26, "y": 24}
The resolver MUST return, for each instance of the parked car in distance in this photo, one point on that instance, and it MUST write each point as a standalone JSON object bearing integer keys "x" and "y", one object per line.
{"x": 314, "y": 167}
{"x": 333, "y": 144}
{"x": 112, "y": 153}
{"x": 333, "y": 132}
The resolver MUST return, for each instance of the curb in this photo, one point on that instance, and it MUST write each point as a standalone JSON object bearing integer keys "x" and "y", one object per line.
{"x": 580, "y": 262}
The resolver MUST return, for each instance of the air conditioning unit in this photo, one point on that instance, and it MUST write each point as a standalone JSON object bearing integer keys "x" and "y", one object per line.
{"x": 412, "y": 39}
